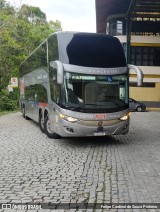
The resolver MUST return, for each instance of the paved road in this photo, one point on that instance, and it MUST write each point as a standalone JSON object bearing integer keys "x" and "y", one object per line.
{"x": 124, "y": 169}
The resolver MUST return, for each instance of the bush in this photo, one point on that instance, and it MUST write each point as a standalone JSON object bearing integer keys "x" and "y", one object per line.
{"x": 6, "y": 101}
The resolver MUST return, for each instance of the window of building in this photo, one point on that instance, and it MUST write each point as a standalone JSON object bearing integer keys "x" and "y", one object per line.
{"x": 145, "y": 56}
{"x": 116, "y": 27}
{"x": 145, "y": 84}
{"x": 119, "y": 28}
{"x": 145, "y": 26}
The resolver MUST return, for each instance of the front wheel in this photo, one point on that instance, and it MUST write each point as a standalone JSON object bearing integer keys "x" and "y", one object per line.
{"x": 47, "y": 129}
{"x": 41, "y": 122}
{"x": 139, "y": 109}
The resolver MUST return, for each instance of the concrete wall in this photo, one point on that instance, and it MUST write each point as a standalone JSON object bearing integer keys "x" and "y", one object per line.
{"x": 140, "y": 40}
{"x": 146, "y": 94}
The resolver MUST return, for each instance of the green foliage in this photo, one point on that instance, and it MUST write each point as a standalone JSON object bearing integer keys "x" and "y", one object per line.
{"x": 34, "y": 14}
{"x": 37, "y": 12}
{"x": 7, "y": 101}
{"x": 21, "y": 31}
{"x": 55, "y": 25}
{"x": 6, "y": 7}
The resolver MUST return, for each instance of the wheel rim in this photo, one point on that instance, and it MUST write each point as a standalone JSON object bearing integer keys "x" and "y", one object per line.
{"x": 48, "y": 127}
{"x": 139, "y": 109}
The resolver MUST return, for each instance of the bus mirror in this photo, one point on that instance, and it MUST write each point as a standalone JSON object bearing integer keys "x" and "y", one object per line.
{"x": 59, "y": 66}
{"x": 139, "y": 74}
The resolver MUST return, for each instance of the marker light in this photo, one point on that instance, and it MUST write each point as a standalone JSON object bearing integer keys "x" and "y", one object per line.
{"x": 62, "y": 116}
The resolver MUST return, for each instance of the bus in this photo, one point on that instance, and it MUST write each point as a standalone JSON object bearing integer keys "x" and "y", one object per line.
{"x": 77, "y": 84}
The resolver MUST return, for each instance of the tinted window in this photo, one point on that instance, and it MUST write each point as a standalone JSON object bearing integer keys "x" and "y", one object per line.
{"x": 36, "y": 60}
{"x": 36, "y": 93}
{"x": 52, "y": 48}
{"x": 92, "y": 50}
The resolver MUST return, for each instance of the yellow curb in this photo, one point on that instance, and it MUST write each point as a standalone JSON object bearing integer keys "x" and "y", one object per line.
{"x": 154, "y": 109}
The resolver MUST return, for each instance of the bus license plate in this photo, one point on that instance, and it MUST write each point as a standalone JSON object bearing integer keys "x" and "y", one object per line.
{"x": 99, "y": 133}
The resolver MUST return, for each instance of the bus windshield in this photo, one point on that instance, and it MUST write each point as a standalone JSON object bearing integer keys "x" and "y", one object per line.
{"x": 94, "y": 93}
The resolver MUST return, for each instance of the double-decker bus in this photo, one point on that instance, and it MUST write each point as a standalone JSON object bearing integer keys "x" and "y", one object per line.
{"x": 77, "y": 84}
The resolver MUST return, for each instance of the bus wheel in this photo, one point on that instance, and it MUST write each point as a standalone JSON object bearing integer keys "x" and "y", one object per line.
{"x": 47, "y": 129}
{"x": 23, "y": 112}
{"x": 41, "y": 122}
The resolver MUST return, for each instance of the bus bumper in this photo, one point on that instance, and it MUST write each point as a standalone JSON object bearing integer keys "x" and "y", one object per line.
{"x": 68, "y": 129}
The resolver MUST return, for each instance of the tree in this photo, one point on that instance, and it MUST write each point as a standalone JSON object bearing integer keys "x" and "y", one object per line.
{"x": 6, "y": 7}
{"x": 20, "y": 34}
{"x": 32, "y": 14}
{"x": 21, "y": 31}
{"x": 55, "y": 25}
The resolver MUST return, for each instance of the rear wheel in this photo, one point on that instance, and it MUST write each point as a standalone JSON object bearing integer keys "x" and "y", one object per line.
{"x": 48, "y": 130}
{"x": 139, "y": 109}
{"x": 24, "y": 113}
{"x": 41, "y": 122}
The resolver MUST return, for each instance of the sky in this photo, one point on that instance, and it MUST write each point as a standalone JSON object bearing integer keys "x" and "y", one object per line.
{"x": 74, "y": 15}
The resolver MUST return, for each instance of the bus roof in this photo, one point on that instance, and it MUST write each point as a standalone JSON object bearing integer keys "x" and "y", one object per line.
{"x": 88, "y": 49}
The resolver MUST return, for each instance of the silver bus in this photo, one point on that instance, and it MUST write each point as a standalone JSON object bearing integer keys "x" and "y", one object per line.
{"x": 77, "y": 84}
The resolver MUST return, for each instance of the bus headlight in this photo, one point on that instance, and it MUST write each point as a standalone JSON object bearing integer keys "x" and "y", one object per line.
{"x": 124, "y": 118}
{"x": 68, "y": 118}
{"x": 71, "y": 119}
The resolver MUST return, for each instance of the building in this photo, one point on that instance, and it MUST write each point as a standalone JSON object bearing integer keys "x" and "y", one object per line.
{"x": 137, "y": 25}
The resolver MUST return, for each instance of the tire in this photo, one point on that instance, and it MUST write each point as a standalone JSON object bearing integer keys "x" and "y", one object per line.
{"x": 48, "y": 132}
{"x": 139, "y": 109}
{"x": 41, "y": 122}
{"x": 23, "y": 111}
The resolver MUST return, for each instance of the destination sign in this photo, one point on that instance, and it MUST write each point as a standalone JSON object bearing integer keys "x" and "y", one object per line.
{"x": 83, "y": 77}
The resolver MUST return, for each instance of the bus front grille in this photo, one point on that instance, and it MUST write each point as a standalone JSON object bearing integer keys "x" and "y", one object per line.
{"x": 94, "y": 123}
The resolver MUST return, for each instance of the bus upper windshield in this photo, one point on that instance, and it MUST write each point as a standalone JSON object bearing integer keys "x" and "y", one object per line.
{"x": 94, "y": 93}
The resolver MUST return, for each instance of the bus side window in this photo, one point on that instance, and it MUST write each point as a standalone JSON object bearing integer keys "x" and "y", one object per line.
{"x": 40, "y": 93}
{"x": 29, "y": 93}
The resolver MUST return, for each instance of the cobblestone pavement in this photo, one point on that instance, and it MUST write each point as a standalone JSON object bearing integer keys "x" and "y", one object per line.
{"x": 119, "y": 169}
